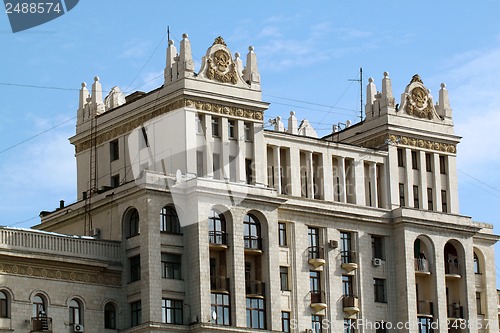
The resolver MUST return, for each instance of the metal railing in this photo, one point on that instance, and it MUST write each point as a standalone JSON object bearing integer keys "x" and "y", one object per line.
{"x": 349, "y": 301}
{"x": 220, "y": 283}
{"x": 421, "y": 265}
{"x": 253, "y": 243}
{"x": 41, "y": 324}
{"x": 455, "y": 311}
{"x": 348, "y": 257}
{"x": 318, "y": 296}
{"x": 217, "y": 237}
{"x": 425, "y": 308}
{"x": 452, "y": 267}
{"x": 316, "y": 252}
{"x": 254, "y": 287}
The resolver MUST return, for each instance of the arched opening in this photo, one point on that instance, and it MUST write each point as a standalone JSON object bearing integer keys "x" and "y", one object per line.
{"x": 75, "y": 312}
{"x": 455, "y": 284}
{"x": 39, "y": 306}
{"x": 110, "y": 316}
{"x": 131, "y": 223}
{"x": 4, "y": 305}
{"x": 169, "y": 221}
{"x": 217, "y": 233}
{"x": 252, "y": 233}
{"x": 423, "y": 253}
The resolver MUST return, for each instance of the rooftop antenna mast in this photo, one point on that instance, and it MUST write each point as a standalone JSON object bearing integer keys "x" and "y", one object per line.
{"x": 360, "y": 80}
{"x": 168, "y": 32}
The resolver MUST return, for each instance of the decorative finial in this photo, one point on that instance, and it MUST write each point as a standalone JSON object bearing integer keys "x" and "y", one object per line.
{"x": 219, "y": 40}
{"x": 292, "y": 113}
{"x": 278, "y": 118}
{"x": 96, "y": 78}
{"x": 250, "y": 48}
{"x": 416, "y": 78}
{"x": 386, "y": 75}
{"x": 370, "y": 80}
{"x": 185, "y": 36}
{"x": 443, "y": 85}
{"x": 170, "y": 42}
{"x": 237, "y": 55}
{"x": 84, "y": 84}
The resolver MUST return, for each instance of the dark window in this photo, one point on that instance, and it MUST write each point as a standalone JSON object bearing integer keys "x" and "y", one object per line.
{"x": 231, "y": 129}
{"x": 114, "y": 150}
{"x": 171, "y": 311}
{"x": 442, "y": 164}
{"x": 347, "y": 287}
{"x": 199, "y": 164}
{"x": 477, "y": 268}
{"x": 378, "y": 247}
{"x": 428, "y": 162}
{"x": 424, "y": 325}
{"x": 215, "y": 127}
{"x": 110, "y": 316}
{"x": 416, "y": 202}
{"x": 221, "y": 308}
{"x": 135, "y": 268}
{"x": 401, "y": 195}
{"x": 115, "y": 181}
{"x": 217, "y": 228}
{"x": 444, "y": 201}
{"x": 256, "y": 313}
{"x": 248, "y": 131}
{"x": 169, "y": 221}
{"x": 314, "y": 281}
{"x": 75, "y": 312}
{"x": 414, "y": 160}
{"x": 401, "y": 159}
{"x": 346, "y": 251}
{"x": 132, "y": 223}
{"x": 284, "y": 278}
{"x": 380, "y": 327}
{"x": 282, "y": 234}
{"x": 285, "y": 321}
{"x": 316, "y": 323}
{"x": 4, "y": 305}
{"x": 350, "y": 325}
{"x": 38, "y": 306}
{"x": 430, "y": 199}
{"x": 171, "y": 266}
{"x": 478, "y": 303}
{"x": 143, "y": 138}
{"x": 379, "y": 287}
{"x": 251, "y": 232}
{"x": 135, "y": 313}
{"x": 249, "y": 170}
{"x": 216, "y": 166}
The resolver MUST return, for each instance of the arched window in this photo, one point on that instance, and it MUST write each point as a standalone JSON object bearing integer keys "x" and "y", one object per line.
{"x": 217, "y": 228}
{"x": 251, "y": 233}
{"x": 169, "y": 221}
{"x": 75, "y": 312}
{"x": 110, "y": 316}
{"x": 4, "y": 305}
{"x": 132, "y": 223}
{"x": 39, "y": 309}
{"x": 477, "y": 268}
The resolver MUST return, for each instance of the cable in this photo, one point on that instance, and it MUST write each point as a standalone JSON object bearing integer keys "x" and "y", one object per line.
{"x": 479, "y": 181}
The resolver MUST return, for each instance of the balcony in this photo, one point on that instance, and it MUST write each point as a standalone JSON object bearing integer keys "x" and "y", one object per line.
{"x": 253, "y": 244}
{"x": 316, "y": 255}
{"x": 41, "y": 324}
{"x": 318, "y": 300}
{"x": 348, "y": 260}
{"x": 422, "y": 266}
{"x": 217, "y": 240}
{"x": 425, "y": 309}
{"x": 255, "y": 288}
{"x": 350, "y": 304}
{"x": 452, "y": 270}
{"x": 455, "y": 311}
{"x": 219, "y": 284}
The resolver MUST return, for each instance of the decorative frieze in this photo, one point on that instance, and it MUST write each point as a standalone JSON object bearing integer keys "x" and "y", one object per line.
{"x": 400, "y": 140}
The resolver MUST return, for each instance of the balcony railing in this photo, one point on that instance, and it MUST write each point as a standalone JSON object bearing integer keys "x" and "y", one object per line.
{"x": 217, "y": 237}
{"x": 255, "y": 288}
{"x": 350, "y": 304}
{"x": 316, "y": 252}
{"x": 318, "y": 296}
{"x": 425, "y": 308}
{"x": 452, "y": 268}
{"x": 421, "y": 265}
{"x": 348, "y": 257}
{"x": 41, "y": 324}
{"x": 455, "y": 311}
{"x": 253, "y": 243}
{"x": 219, "y": 283}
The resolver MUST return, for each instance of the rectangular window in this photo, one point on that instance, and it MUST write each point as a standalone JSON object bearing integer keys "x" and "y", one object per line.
{"x": 171, "y": 311}
{"x": 171, "y": 266}
{"x": 428, "y": 162}
{"x": 231, "y": 129}
{"x": 314, "y": 281}
{"x": 199, "y": 164}
{"x": 414, "y": 160}
{"x": 249, "y": 170}
{"x": 401, "y": 195}
{"x": 378, "y": 247}
{"x": 114, "y": 150}
{"x": 379, "y": 287}
{"x": 430, "y": 199}
{"x": 316, "y": 322}
{"x": 284, "y": 278}
{"x": 442, "y": 164}
{"x": 143, "y": 138}
{"x": 216, "y": 166}
{"x": 115, "y": 181}
{"x": 4, "y": 312}
{"x": 135, "y": 313}
{"x": 256, "y": 313}
{"x": 199, "y": 123}
{"x": 215, "y": 127}
{"x": 135, "y": 268}
{"x": 285, "y": 321}
{"x": 478, "y": 303}
{"x": 350, "y": 325}
{"x": 416, "y": 202}
{"x": 401, "y": 158}
{"x": 346, "y": 251}
{"x": 444, "y": 201}
{"x": 347, "y": 287}
{"x": 221, "y": 308}
{"x": 424, "y": 325}
{"x": 282, "y": 234}
{"x": 248, "y": 131}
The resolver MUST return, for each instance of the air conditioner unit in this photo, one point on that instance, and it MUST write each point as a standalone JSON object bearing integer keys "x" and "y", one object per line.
{"x": 333, "y": 244}
{"x": 376, "y": 262}
{"x": 77, "y": 328}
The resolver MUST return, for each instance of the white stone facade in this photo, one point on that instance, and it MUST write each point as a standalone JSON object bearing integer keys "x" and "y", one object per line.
{"x": 277, "y": 229}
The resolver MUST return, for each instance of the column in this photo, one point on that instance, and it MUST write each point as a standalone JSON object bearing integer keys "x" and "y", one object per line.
{"x": 359, "y": 182}
{"x": 327, "y": 176}
{"x": 295, "y": 171}
{"x": 423, "y": 181}
{"x": 224, "y": 149}
{"x": 342, "y": 179}
{"x": 277, "y": 167}
{"x": 393, "y": 177}
{"x": 240, "y": 159}
{"x": 259, "y": 155}
{"x": 436, "y": 173}
{"x": 310, "y": 178}
{"x": 408, "y": 179}
{"x": 452, "y": 180}
{"x": 209, "y": 148}
{"x": 373, "y": 180}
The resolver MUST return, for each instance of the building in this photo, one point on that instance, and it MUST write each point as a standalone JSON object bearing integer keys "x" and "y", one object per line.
{"x": 192, "y": 216}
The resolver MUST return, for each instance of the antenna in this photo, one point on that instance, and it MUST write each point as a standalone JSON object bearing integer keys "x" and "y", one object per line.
{"x": 168, "y": 32}
{"x": 360, "y": 80}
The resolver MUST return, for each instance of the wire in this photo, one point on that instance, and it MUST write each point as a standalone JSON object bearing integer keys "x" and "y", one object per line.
{"x": 479, "y": 181}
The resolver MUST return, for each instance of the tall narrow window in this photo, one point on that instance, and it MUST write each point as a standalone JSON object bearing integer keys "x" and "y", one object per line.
{"x": 216, "y": 166}
{"x": 135, "y": 313}
{"x": 4, "y": 305}
{"x": 248, "y": 131}
{"x": 284, "y": 278}
{"x": 430, "y": 199}
{"x": 217, "y": 228}
{"x": 171, "y": 311}
{"x": 314, "y": 281}
{"x": 379, "y": 288}
{"x": 416, "y": 202}
{"x": 313, "y": 237}
{"x": 347, "y": 288}
{"x": 477, "y": 269}
{"x": 478, "y": 303}
{"x": 231, "y": 129}
{"x": 401, "y": 160}
{"x": 256, "y": 313}
{"x": 199, "y": 164}
{"x": 316, "y": 322}
{"x": 171, "y": 266}
{"x": 115, "y": 181}
{"x": 38, "y": 306}
{"x": 401, "y": 195}
{"x": 135, "y": 268}
{"x": 442, "y": 164}
{"x": 428, "y": 162}
{"x": 346, "y": 251}
{"x": 215, "y": 126}
{"x": 282, "y": 234}
{"x": 221, "y": 309}
{"x": 251, "y": 233}
{"x": 414, "y": 160}
{"x": 285, "y": 321}
{"x": 249, "y": 170}
{"x": 110, "y": 316}
{"x": 378, "y": 247}
{"x": 75, "y": 312}
{"x": 114, "y": 150}
{"x": 132, "y": 223}
{"x": 444, "y": 201}
{"x": 169, "y": 221}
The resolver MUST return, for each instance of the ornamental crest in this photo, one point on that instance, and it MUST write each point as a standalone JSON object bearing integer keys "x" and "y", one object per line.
{"x": 418, "y": 102}
{"x": 221, "y": 67}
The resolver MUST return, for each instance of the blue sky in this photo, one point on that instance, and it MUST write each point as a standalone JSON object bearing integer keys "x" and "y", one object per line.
{"x": 307, "y": 53}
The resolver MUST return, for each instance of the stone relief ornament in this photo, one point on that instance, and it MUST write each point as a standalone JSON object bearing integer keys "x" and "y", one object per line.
{"x": 221, "y": 68}
{"x": 419, "y": 104}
